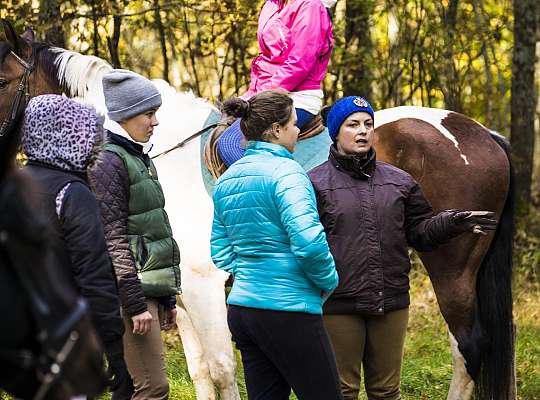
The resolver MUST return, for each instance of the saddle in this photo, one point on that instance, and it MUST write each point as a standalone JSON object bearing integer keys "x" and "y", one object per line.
{"x": 212, "y": 158}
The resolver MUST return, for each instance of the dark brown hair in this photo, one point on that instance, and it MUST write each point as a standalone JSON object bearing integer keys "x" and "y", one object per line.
{"x": 260, "y": 112}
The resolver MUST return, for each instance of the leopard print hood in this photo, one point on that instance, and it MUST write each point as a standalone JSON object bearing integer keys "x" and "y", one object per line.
{"x": 62, "y": 133}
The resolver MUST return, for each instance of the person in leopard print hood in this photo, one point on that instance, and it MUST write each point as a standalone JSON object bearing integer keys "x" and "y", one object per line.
{"x": 61, "y": 140}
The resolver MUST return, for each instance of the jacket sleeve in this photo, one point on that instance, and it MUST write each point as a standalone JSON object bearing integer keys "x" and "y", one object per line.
{"x": 83, "y": 235}
{"x": 221, "y": 248}
{"x": 168, "y": 302}
{"x": 295, "y": 200}
{"x": 110, "y": 183}
{"x": 425, "y": 232}
{"x": 307, "y": 38}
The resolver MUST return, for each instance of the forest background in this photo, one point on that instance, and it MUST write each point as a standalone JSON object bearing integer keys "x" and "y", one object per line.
{"x": 477, "y": 57}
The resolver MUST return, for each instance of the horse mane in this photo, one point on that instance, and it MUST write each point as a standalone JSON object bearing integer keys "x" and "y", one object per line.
{"x": 80, "y": 76}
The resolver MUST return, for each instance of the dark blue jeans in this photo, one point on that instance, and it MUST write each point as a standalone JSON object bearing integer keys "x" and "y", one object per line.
{"x": 283, "y": 350}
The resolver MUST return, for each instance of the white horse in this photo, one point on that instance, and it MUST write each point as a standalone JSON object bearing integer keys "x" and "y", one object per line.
{"x": 202, "y": 311}
{"x": 201, "y": 319}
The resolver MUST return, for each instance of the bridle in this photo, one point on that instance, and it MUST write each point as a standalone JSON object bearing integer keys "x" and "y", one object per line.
{"x": 56, "y": 342}
{"x": 22, "y": 89}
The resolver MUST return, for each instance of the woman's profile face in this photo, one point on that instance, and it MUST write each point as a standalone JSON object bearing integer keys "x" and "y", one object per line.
{"x": 355, "y": 135}
{"x": 141, "y": 126}
{"x": 288, "y": 133}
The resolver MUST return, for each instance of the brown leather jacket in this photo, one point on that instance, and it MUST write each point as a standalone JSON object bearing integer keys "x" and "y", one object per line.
{"x": 371, "y": 212}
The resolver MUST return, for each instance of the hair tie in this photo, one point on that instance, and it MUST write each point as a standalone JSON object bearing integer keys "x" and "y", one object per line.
{"x": 248, "y": 108}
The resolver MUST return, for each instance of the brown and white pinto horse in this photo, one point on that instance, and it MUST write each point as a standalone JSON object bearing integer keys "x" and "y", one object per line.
{"x": 459, "y": 164}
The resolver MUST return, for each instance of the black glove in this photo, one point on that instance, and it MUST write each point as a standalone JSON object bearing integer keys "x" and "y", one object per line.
{"x": 474, "y": 221}
{"x": 120, "y": 383}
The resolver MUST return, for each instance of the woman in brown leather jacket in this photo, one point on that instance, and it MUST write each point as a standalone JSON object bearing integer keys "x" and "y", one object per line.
{"x": 371, "y": 212}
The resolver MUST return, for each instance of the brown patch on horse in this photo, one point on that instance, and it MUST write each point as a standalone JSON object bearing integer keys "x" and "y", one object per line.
{"x": 448, "y": 182}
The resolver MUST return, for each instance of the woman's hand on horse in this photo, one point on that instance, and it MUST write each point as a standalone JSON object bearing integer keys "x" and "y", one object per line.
{"x": 142, "y": 323}
{"x": 475, "y": 221}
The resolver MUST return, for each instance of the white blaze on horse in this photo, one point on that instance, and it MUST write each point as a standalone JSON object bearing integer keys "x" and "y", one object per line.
{"x": 458, "y": 163}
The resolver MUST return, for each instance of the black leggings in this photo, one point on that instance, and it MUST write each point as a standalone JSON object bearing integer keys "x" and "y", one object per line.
{"x": 283, "y": 350}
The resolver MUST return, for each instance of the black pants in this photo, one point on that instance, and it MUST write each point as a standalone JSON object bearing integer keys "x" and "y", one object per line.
{"x": 283, "y": 350}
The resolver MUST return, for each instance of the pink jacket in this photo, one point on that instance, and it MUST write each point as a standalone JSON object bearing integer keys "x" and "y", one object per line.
{"x": 295, "y": 42}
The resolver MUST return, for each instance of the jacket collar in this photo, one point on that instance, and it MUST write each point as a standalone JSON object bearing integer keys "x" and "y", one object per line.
{"x": 356, "y": 166}
{"x": 329, "y": 3}
{"x": 258, "y": 147}
{"x": 79, "y": 174}
{"x": 130, "y": 146}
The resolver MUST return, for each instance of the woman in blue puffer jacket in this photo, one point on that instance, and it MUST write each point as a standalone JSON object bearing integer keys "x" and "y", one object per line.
{"x": 267, "y": 234}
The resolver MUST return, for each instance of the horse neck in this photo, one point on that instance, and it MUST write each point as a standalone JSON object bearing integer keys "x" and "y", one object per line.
{"x": 180, "y": 116}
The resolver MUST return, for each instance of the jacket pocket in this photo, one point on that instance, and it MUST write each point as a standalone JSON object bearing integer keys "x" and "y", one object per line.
{"x": 141, "y": 253}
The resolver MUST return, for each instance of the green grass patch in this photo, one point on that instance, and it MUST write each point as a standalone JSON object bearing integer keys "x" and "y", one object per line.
{"x": 427, "y": 367}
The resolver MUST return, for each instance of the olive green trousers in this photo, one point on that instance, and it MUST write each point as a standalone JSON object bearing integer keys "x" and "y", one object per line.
{"x": 145, "y": 359}
{"x": 372, "y": 343}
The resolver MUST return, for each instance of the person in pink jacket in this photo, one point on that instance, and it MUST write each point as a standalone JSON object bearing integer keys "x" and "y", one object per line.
{"x": 295, "y": 42}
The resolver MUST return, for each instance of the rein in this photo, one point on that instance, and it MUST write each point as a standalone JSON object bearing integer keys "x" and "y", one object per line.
{"x": 187, "y": 140}
{"x": 23, "y": 88}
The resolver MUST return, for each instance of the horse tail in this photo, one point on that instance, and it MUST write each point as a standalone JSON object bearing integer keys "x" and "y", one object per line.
{"x": 494, "y": 295}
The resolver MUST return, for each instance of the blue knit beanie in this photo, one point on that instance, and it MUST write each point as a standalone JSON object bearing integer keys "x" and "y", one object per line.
{"x": 342, "y": 109}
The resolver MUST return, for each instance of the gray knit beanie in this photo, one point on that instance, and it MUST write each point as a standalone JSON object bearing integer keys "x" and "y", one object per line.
{"x": 128, "y": 94}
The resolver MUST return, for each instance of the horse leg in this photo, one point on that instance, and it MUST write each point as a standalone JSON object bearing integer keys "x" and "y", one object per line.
{"x": 196, "y": 363}
{"x": 465, "y": 338}
{"x": 462, "y": 385}
{"x": 204, "y": 300}
{"x": 454, "y": 283}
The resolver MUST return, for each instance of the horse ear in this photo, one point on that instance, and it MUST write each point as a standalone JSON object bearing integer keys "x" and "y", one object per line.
{"x": 11, "y": 35}
{"x": 16, "y": 42}
{"x": 28, "y": 35}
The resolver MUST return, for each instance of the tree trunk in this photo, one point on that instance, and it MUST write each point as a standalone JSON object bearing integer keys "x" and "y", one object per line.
{"x": 190, "y": 50}
{"x": 536, "y": 174}
{"x": 358, "y": 58}
{"x": 451, "y": 88}
{"x": 162, "y": 40}
{"x": 95, "y": 37}
{"x": 114, "y": 41}
{"x": 50, "y": 18}
{"x": 523, "y": 97}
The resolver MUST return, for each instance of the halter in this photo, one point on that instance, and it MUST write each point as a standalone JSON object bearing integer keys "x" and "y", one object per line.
{"x": 22, "y": 89}
{"x": 49, "y": 364}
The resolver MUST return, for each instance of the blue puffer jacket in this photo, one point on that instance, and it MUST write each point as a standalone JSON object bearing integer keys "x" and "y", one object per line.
{"x": 267, "y": 233}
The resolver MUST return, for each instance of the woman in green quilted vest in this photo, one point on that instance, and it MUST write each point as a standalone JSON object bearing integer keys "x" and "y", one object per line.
{"x": 139, "y": 237}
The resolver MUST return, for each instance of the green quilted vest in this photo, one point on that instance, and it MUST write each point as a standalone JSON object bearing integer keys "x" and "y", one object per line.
{"x": 155, "y": 251}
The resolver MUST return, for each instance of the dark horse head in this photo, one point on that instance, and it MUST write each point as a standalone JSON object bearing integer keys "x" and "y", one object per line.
{"x": 48, "y": 348}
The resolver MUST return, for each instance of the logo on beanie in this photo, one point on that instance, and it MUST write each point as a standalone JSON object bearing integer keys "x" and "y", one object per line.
{"x": 361, "y": 102}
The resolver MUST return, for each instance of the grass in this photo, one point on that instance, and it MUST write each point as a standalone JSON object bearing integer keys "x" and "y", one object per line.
{"x": 427, "y": 363}
{"x": 427, "y": 367}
